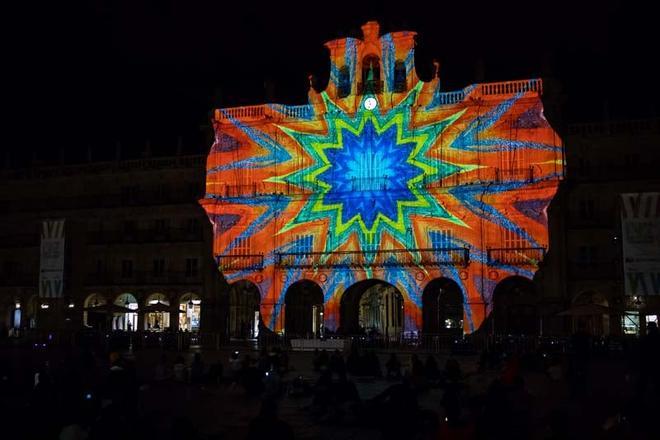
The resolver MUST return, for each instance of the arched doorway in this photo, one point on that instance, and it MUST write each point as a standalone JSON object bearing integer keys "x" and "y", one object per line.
{"x": 190, "y": 306}
{"x": 514, "y": 307}
{"x": 372, "y": 307}
{"x": 95, "y": 319}
{"x": 157, "y": 316}
{"x": 126, "y": 321}
{"x": 597, "y": 323}
{"x": 304, "y": 309}
{"x": 244, "y": 317}
{"x": 442, "y": 307}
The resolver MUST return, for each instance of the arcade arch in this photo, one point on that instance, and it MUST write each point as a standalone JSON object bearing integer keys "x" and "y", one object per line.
{"x": 244, "y": 316}
{"x": 442, "y": 307}
{"x": 514, "y": 307}
{"x": 304, "y": 309}
{"x": 190, "y": 306}
{"x": 372, "y": 306}
{"x": 125, "y": 320}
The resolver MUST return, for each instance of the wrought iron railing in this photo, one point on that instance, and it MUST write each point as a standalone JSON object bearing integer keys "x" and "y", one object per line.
{"x": 517, "y": 256}
{"x": 227, "y": 263}
{"x": 384, "y": 258}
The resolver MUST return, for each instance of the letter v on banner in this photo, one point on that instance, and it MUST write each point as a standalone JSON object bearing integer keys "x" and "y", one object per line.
{"x": 51, "y": 262}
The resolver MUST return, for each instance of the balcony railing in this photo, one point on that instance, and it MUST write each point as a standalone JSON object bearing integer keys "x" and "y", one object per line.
{"x": 512, "y": 87}
{"x": 227, "y": 263}
{"x": 593, "y": 270}
{"x": 142, "y": 278}
{"x": 170, "y": 235}
{"x": 379, "y": 258}
{"x": 370, "y": 87}
{"x": 519, "y": 256}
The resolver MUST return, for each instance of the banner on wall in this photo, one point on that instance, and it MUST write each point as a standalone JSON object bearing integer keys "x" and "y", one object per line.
{"x": 640, "y": 227}
{"x": 51, "y": 262}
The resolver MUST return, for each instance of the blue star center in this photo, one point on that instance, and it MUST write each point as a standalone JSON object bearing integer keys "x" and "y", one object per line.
{"x": 369, "y": 174}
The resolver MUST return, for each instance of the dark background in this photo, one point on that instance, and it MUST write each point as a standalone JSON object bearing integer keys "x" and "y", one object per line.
{"x": 83, "y": 75}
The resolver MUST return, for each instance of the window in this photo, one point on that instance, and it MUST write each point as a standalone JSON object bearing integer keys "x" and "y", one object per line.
{"x": 631, "y": 160}
{"x": 630, "y": 322}
{"x": 192, "y": 267}
{"x": 370, "y": 74}
{"x": 129, "y": 226}
{"x": 243, "y": 246}
{"x": 441, "y": 239}
{"x": 129, "y": 194}
{"x": 586, "y": 209}
{"x": 192, "y": 225}
{"x": 159, "y": 267}
{"x": 160, "y": 225}
{"x": 400, "y": 76}
{"x": 513, "y": 240}
{"x": 126, "y": 268}
{"x": 587, "y": 254}
{"x": 303, "y": 244}
{"x": 344, "y": 82}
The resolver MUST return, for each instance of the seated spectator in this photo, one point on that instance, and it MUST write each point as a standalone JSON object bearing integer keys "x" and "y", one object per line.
{"x": 179, "y": 369}
{"x": 268, "y": 425}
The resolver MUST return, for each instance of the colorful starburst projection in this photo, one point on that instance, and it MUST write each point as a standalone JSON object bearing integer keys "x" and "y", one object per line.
{"x": 402, "y": 191}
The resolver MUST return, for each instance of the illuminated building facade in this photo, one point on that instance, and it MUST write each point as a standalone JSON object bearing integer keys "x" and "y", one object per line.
{"x": 385, "y": 203}
{"x": 137, "y": 246}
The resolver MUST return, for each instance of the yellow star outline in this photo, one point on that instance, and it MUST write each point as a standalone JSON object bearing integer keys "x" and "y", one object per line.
{"x": 418, "y": 139}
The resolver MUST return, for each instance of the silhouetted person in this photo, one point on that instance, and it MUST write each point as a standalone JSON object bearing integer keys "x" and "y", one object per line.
{"x": 268, "y": 425}
{"x": 393, "y": 367}
{"x": 431, "y": 368}
{"x": 580, "y": 353}
{"x": 337, "y": 364}
{"x": 197, "y": 369}
{"x": 649, "y": 359}
{"x": 353, "y": 363}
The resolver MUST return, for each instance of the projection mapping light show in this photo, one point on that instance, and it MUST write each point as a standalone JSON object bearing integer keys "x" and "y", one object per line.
{"x": 383, "y": 177}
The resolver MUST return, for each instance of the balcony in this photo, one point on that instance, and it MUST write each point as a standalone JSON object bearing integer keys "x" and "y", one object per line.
{"x": 231, "y": 263}
{"x": 145, "y": 236}
{"x": 520, "y": 256}
{"x": 142, "y": 278}
{"x": 19, "y": 280}
{"x": 380, "y": 258}
{"x": 594, "y": 270}
{"x": 370, "y": 87}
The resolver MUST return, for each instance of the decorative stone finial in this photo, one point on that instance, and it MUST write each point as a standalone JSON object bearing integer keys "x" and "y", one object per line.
{"x": 370, "y": 31}
{"x": 436, "y": 69}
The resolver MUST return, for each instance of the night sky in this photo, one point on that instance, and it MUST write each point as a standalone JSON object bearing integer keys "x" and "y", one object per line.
{"x": 84, "y": 75}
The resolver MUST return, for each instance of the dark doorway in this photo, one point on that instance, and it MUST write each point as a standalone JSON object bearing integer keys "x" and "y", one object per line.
{"x": 244, "y": 301}
{"x": 303, "y": 310}
{"x": 514, "y": 307}
{"x": 442, "y": 307}
{"x": 373, "y": 307}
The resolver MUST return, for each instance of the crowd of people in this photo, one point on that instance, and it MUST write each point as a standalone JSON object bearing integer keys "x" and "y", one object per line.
{"x": 85, "y": 395}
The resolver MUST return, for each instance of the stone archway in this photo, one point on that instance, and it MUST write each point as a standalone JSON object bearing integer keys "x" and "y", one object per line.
{"x": 515, "y": 307}
{"x": 598, "y": 324}
{"x": 303, "y": 309}
{"x": 128, "y": 320}
{"x": 372, "y": 306}
{"x": 442, "y": 307}
{"x": 244, "y": 315}
{"x": 190, "y": 308}
{"x": 95, "y": 319}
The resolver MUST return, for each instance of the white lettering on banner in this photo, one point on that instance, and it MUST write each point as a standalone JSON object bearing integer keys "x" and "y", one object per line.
{"x": 51, "y": 267}
{"x": 640, "y": 228}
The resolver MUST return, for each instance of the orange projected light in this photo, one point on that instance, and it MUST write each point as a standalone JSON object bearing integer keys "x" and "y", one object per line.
{"x": 383, "y": 176}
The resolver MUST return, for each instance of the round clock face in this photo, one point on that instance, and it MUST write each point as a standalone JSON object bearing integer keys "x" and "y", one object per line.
{"x": 370, "y": 103}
